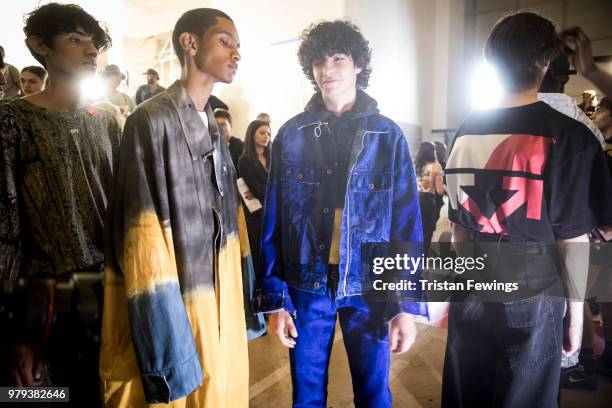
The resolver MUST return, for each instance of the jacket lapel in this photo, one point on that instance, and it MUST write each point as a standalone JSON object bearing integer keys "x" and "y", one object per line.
{"x": 198, "y": 141}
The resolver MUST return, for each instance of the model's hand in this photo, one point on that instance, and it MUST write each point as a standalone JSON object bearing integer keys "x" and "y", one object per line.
{"x": 582, "y": 57}
{"x": 606, "y": 232}
{"x": 572, "y": 328}
{"x": 438, "y": 313}
{"x": 402, "y": 333}
{"x": 27, "y": 365}
{"x": 277, "y": 322}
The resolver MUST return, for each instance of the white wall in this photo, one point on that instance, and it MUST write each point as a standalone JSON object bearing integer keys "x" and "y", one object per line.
{"x": 269, "y": 77}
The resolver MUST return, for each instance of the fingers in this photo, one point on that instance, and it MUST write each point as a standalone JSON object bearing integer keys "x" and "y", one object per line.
{"x": 38, "y": 371}
{"x": 17, "y": 378}
{"x": 291, "y": 327}
{"x": 394, "y": 338}
{"x": 582, "y": 37}
{"x": 405, "y": 340}
{"x": 277, "y": 323}
{"x": 27, "y": 377}
{"x": 569, "y": 349}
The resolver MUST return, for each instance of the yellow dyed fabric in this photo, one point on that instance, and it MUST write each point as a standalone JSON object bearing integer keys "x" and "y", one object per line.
{"x": 216, "y": 317}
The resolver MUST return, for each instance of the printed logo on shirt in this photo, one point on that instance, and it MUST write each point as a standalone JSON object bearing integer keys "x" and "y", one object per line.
{"x": 515, "y": 162}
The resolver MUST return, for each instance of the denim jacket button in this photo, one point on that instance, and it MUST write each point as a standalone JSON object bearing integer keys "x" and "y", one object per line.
{"x": 371, "y": 186}
{"x": 329, "y": 172}
{"x": 316, "y": 284}
{"x": 321, "y": 247}
{"x": 325, "y": 210}
{"x": 300, "y": 176}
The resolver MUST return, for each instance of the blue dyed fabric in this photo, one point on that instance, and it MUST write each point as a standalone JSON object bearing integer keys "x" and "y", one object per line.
{"x": 380, "y": 205}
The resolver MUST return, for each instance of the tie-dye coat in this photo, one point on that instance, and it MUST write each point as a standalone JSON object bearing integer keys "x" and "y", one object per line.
{"x": 174, "y": 320}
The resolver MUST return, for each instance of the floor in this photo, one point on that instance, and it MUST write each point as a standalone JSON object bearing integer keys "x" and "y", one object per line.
{"x": 416, "y": 377}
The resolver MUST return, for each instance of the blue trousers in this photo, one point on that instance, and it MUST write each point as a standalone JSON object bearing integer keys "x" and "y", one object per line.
{"x": 366, "y": 341}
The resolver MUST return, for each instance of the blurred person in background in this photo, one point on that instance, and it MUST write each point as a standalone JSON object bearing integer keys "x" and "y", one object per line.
{"x": 578, "y": 47}
{"x": 430, "y": 182}
{"x": 253, "y": 166}
{"x": 11, "y": 77}
{"x": 151, "y": 88}
{"x": 235, "y": 145}
{"x": 32, "y": 80}
{"x": 264, "y": 117}
{"x": 113, "y": 76}
{"x": 589, "y": 102}
{"x": 602, "y": 118}
{"x": 552, "y": 90}
{"x": 2, "y": 85}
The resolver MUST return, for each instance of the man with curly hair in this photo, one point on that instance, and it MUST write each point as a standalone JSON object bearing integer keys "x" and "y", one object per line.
{"x": 340, "y": 175}
{"x": 57, "y": 156}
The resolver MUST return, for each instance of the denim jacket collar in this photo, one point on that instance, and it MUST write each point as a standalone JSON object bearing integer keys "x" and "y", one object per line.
{"x": 364, "y": 106}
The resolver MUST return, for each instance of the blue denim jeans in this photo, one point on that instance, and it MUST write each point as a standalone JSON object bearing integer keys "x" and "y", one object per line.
{"x": 503, "y": 354}
{"x": 366, "y": 341}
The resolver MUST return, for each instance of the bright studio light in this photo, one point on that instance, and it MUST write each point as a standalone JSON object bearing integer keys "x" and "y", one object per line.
{"x": 486, "y": 88}
{"x": 92, "y": 88}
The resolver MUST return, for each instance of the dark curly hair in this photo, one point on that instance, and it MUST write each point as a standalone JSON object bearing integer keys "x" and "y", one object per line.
{"x": 327, "y": 38}
{"x": 54, "y": 19}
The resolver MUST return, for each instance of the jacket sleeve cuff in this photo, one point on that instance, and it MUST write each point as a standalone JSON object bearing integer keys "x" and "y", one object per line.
{"x": 414, "y": 308}
{"x": 272, "y": 296}
{"x": 172, "y": 383}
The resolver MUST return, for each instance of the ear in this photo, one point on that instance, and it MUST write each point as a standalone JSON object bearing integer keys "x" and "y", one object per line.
{"x": 188, "y": 43}
{"x": 358, "y": 70}
{"x": 37, "y": 45}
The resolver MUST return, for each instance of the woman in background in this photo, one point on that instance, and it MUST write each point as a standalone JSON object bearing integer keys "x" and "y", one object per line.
{"x": 32, "y": 80}
{"x": 253, "y": 168}
{"x": 430, "y": 185}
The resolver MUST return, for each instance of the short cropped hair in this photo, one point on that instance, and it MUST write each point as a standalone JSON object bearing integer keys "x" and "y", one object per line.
{"x": 196, "y": 21}
{"x": 222, "y": 113}
{"x": 335, "y": 37}
{"x": 519, "y": 46}
{"x": 54, "y": 19}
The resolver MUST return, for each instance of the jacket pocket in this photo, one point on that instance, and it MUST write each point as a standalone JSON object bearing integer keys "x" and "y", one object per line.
{"x": 299, "y": 186}
{"x": 370, "y": 205}
{"x": 530, "y": 334}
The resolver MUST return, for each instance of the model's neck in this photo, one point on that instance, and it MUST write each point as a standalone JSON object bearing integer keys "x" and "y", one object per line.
{"x": 198, "y": 85}
{"x": 526, "y": 97}
{"x": 260, "y": 150}
{"x": 338, "y": 104}
{"x": 62, "y": 93}
{"x": 607, "y": 133}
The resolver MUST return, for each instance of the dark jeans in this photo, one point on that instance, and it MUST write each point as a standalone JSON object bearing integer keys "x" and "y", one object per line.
{"x": 503, "y": 354}
{"x": 366, "y": 341}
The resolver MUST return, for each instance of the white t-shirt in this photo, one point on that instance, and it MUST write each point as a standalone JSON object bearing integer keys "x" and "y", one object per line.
{"x": 204, "y": 117}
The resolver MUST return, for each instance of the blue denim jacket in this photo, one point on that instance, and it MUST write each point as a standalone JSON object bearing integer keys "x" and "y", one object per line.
{"x": 381, "y": 204}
